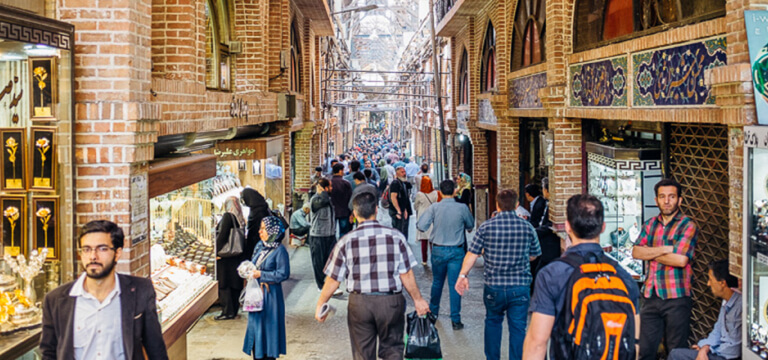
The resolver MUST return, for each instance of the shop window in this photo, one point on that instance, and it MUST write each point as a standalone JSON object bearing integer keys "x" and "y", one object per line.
{"x": 217, "y": 57}
{"x": 295, "y": 59}
{"x": 529, "y": 34}
{"x": 488, "y": 67}
{"x": 597, "y": 22}
{"x": 464, "y": 79}
{"x": 38, "y": 247}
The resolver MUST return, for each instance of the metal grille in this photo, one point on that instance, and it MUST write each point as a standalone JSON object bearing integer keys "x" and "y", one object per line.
{"x": 698, "y": 159}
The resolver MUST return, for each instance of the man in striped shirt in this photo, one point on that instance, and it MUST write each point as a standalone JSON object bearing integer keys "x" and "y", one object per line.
{"x": 376, "y": 263}
{"x": 667, "y": 242}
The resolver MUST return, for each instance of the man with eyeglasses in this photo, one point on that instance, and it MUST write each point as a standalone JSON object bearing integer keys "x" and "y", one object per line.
{"x": 102, "y": 315}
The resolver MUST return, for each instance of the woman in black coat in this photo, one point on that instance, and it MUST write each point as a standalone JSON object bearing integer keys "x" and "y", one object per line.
{"x": 258, "y": 211}
{"x": 230, "y": 283}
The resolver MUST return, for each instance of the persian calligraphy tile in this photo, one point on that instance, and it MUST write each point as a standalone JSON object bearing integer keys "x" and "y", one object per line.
{"x": 524, "y": 91}
{"x": 599, "y": 83}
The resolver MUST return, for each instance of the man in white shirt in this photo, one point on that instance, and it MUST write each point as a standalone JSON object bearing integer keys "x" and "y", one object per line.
{"x": 102, "y": 315}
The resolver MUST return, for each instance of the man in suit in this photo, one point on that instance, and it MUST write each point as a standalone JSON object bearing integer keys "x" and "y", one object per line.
{"x": 102, "y": 314}
{"x": 537, "y": 203}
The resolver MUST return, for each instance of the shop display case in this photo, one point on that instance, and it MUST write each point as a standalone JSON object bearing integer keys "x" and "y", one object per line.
{"x": 36, "y": 174}
{"x": 755, "y": 344}
{"x": 623, "y": 180}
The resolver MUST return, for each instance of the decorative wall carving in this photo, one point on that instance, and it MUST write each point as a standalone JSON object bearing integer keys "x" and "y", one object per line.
{"x": 600, "y": 83}
{"x": 675, "y": 76}
{"x": 36, "y": 36}
{"x": 524, "y": 91}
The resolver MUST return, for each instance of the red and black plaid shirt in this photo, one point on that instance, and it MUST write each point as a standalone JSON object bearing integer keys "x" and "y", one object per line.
{"x": 669, "y": 282}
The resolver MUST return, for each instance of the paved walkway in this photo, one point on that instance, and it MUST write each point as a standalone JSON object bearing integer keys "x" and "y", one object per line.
{"x": 308, "y": 339}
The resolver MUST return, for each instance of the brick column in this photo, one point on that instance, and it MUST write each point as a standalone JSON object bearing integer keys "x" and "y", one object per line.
{"x": 174, "y": 48}
{"x": 509, "y": 153}
{"x": 480, "y": 172}
{"x": 114, "y": 118}
{"x": 305, "y": 164}
{"x": 251, "y": 30}
{"x": 565, "y": 175}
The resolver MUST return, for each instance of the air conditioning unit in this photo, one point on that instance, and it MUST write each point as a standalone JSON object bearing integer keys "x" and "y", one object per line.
{"x": 286, "y": 106}
{"x": 235, "y": 47}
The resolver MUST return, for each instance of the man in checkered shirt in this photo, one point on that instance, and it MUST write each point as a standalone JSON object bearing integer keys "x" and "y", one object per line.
{"x": 508, "y": 244}
{"x": 377, "y": 263}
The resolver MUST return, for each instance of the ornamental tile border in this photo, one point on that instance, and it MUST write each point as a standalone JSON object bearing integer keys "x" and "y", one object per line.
{"x": 602, "y": 83}
{"x": 524, "y": 91}
{"x": 674, "y": 76}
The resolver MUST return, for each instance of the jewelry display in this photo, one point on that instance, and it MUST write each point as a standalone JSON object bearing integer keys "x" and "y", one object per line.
{"x": 756, "y": 261}
{"x": 176, "y": 284}
{"x": 19, "y": 309}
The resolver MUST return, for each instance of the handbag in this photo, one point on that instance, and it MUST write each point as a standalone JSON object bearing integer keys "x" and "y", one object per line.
{"x": 235, "y": 244}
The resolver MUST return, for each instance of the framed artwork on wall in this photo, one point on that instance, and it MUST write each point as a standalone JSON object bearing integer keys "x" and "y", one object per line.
{"x": 42, "y": 153}
{"x": 45, "y": 231}
{"x": 43, "y": 89}
{"x": 13, "y": 167}
{"x": 256, "y": 167}
{"x": 14, "y": 209}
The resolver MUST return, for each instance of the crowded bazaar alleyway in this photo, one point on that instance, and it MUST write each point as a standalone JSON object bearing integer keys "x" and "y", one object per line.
{"x": 310, "y": 340}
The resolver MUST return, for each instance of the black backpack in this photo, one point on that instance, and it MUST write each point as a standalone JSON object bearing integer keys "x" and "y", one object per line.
{"x": 598, "y": 317}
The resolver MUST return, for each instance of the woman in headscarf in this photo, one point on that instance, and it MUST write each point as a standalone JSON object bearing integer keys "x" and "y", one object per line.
{"x": 383, "y": 176}
{"x": 258, "y": 211}
{"x": 464, "y": 191}
{"x": 423, "y": 200}
{"x": 265, "y": 335}
{"x": 230, "y": 283}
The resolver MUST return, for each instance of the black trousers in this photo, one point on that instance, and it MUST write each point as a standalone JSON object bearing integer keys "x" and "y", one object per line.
{"x": 229, "y": 298}
{"x": 669, "y": 319}
{"x": 400, "y": 224}
{"x": 376, "y": 317}
{"x": 320, "y": 248}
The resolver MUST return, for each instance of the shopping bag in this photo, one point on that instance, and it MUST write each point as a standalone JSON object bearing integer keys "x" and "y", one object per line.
{"x": 252, "y": 297}
{"x": 422, "y": 341}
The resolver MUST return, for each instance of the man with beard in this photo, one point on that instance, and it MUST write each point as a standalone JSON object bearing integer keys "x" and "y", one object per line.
{"x": 400, "y": 210}
{"x": 102, "y": 314}
{"x": 667, "y": 241}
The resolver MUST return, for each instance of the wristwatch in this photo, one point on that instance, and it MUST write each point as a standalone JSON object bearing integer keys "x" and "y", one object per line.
{"x": 462, "y": 276}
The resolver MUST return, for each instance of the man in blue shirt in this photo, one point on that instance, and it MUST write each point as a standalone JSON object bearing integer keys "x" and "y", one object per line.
{"x": 508, "y": 245}
{"x": 584, "y": 224}
{"x": 724, "y": 342}
{"x": 448, "y": 219}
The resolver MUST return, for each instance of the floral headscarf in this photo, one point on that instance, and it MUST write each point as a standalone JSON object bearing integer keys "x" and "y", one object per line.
{"x": 275, "y": 229}
{"x": 465, "y": 182}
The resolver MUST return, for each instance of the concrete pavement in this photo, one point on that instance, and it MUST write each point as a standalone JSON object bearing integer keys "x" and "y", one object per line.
{"x": 308, "y": 339}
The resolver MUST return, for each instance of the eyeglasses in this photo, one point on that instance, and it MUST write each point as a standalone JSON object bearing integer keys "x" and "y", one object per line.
{"x": 101, "y": 249}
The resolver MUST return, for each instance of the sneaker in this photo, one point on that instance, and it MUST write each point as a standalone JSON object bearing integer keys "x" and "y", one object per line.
{"x": 457, "y": 325}
{"x": 338, "y": 292}
{"x": 424, "y": 263}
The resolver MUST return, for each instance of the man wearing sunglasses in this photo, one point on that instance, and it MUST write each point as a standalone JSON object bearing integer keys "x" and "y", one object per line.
{"x": 102, "y": 315}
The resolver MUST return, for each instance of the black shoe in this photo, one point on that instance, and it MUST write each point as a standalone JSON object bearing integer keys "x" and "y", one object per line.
{"x": 457, "y": 325}
{"x": 224, "y": 317}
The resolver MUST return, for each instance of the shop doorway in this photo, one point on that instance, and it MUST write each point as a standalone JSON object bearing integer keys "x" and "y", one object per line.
{"x": 698, "y": 160}
{"x": 493, "y": 169}
{"x": 532, "y": 169}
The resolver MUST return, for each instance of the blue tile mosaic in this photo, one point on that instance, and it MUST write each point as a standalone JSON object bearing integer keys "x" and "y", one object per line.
{"x": 524, "y": 92}
{"x": 601, "y": 83}
{"x": 675, "y": 76}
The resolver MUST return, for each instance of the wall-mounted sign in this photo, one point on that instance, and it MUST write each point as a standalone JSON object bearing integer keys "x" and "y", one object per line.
{"x": 757, "y": 40}
{"x": 238, "y": 108}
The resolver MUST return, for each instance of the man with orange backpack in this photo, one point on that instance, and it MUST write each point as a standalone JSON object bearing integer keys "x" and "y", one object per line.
{"x": 590, "y": 313}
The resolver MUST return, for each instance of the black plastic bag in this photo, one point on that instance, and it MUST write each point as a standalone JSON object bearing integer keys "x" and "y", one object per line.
{"x": 422, "y": 341}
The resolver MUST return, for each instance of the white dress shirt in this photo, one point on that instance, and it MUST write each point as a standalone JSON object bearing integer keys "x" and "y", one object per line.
{"x": 98, "y": 326}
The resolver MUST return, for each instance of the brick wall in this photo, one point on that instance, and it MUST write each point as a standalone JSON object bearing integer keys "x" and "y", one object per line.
{"x": 114, "y": 117}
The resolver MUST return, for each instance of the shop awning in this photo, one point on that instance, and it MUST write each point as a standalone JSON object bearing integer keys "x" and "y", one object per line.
{"x": 166, "y": 175}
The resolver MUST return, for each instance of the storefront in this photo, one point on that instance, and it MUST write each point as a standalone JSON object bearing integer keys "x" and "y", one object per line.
{"x": 36, "y": 186}
{"x": 755, "y": 246}
{"x": 622, "y": 166}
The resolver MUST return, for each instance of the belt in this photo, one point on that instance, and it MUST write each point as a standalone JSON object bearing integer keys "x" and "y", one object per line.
{"x": 377, "y": 293}
{"x": 462, "y": 245}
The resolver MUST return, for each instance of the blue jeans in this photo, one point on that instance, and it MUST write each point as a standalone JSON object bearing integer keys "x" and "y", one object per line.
{"x": 344, "y": 226}
{"x": 512, "y": 300}
{"x": 446, "y": 261}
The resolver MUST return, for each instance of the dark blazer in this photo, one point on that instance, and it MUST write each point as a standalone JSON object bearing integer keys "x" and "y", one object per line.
{"x": 141, "y": 328}
{"x": 537, "y": 211}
